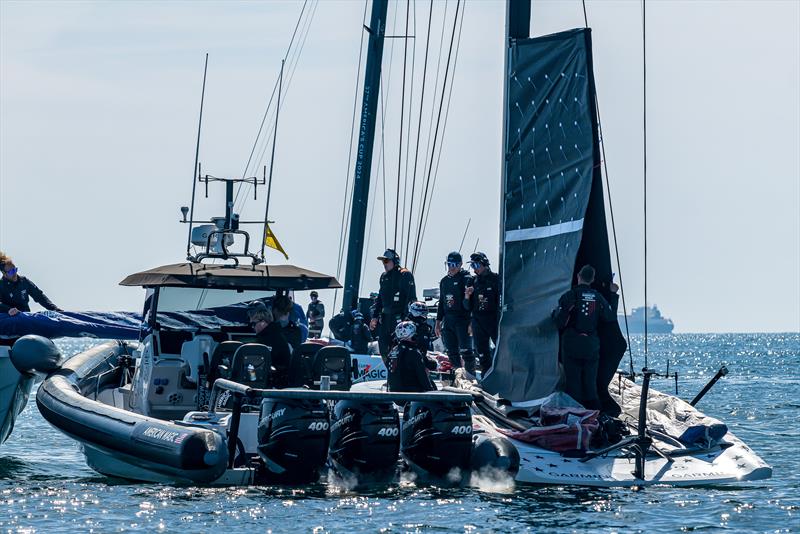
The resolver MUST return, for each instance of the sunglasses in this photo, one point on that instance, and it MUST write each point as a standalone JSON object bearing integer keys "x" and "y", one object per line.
{"x": 12, "y": 271}
{"x": 475, "y": 265}
{"x": 452, "y": 264}
{"x": 386, "y": 260}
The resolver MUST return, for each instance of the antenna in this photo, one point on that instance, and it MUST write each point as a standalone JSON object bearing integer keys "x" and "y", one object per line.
{"x": 195, "y": 172}
{"x": 465, "y": 235}
{"x": 272, "y": 161}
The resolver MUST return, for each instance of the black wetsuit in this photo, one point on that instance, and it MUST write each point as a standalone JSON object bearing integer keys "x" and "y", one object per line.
{"x": 397, "y": 290}
{"x": 407, "y": 369}
{"x": 360, "y": 337}
{"x": 315, "y": 315}
{"x": 293, "y": 334}
{"x": 16, "y": 294}
{"x": 579, "y": 311}
{"x": 455, "y": 319}
{"x": 424, "y": 333}
{"x": 485, "y": 306}
{"x": 272, "y": 336}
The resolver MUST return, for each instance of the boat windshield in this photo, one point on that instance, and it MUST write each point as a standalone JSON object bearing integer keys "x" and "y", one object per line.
{"x": 178, "y": 299}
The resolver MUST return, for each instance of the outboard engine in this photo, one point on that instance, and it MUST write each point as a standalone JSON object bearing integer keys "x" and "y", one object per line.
{"x": 436, "y": 437}
{"x": 35, "y": 353}
{"x": 293, "y": 439}
{"x": 365, "y": 439}
{"x": 494, "y": 456}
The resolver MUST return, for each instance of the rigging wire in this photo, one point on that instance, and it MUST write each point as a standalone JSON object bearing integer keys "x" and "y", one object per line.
{"x": 426, "y": 198}
{"x": 644, "y": 167}
{"x": 269, "y": 103}
{"x": 444, "y": 126}
{"x": 613, "y": 221}
{"x": 403, "y": 244}
{"x": 419, "y": 127}
{"x": 402, "y": 117}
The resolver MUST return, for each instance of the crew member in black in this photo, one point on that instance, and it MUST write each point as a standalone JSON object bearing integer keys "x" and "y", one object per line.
{"x": 269, "y": 333}
{"x": 483, "y": 300}
{"x": 396, "y": 291}
{"x": 452, "y": 317}
{"x": 315, "y": 315}
{"x": 418, "y": 314}
{"x": 360, "y": 335}
{"x": 405, "y": 363}
{"x": 579, "y": 311}
{"x": 282, "y": 306}
{"x": 16, "y": 290}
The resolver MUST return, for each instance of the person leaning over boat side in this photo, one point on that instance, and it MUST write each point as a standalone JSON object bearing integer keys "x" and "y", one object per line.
{"x": 483, "y": 300}
{"x": 397, "y": 290}
{"x": 16, "y": 290}
{"x": 269, "y": 333}
{"x": 452, "y": 317}
{"x": 316, "y": 316}
{"x": 407, "y": 369}
{"x": 281, "y": 309}
{"x": 579, "y": 311}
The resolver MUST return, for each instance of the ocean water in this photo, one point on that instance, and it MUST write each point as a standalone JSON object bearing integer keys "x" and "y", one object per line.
{"x": 45, "y": 486}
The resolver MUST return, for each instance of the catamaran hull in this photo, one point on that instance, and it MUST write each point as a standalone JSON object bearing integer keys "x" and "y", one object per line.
{"x": 15, "y": 388}
{"x": 118, "y": 442}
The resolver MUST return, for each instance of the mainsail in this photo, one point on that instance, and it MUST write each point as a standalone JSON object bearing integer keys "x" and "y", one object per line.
{"x": 553, "y": 212}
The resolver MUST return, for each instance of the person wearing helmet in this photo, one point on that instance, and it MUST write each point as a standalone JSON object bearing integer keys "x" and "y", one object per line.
{"x": 315, "y": 315}
{"x": 269, "y": 333}
{"x": 405, "y": 363}
{"x": 360, "y": 335}
{"x": 452, "y": 317}
{"x": 397, "y": 290}
{"x": 483, "y": 300}
{"x": 16, "y": 290}
{"x": 418, "y": 314}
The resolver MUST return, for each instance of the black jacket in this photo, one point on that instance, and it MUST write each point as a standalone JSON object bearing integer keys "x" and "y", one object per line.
{"x": 16, "y": 295}
{"x": 397, "y": 291}
{"x": 451, "y": 295}
{"x": 407, "y": 370}
{"x": 580, "y": 310}
{"x": 360, "y": 337}
{"x": 424, "y": 333}
{"x": 272, "y": 336}
{"x": 485, "y": 299}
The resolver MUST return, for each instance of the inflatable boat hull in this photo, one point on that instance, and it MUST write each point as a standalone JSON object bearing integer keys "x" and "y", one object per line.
{"x": 118, "y": 442}
{"x": 15, "y": 388}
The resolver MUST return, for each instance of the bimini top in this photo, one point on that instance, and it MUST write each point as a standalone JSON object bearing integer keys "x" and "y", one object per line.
{"x": 263, "y": 277}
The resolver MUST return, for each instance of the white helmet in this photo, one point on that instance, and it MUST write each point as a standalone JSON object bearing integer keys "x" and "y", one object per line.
{"x": 405, "y": 331}
{"x": 417, "y": 309}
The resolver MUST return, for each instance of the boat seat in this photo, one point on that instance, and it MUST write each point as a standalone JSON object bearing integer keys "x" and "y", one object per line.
{"x": 196, "y": 354}
{"x": 335, "y": 362}
{"x": 251, "y": 365}
{"x": 223, "y": 355}
{"x": 302, "y": 364}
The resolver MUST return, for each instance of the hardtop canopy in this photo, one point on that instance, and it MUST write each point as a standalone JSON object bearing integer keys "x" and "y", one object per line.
{"x": 257, "y": 277}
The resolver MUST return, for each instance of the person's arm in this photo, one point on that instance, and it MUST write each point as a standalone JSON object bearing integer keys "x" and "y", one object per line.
{"x": 565, "y": 304}
{"x": 469, "y": 291}
{"x": 411, "y": 288}
{"x": 4, "y": 308}
{"x": 420, "y": 376}
{"x": 607, "y": 312}
{"x": 40, "y": 297}
{"x": 320, "y": 310}
{"x": 308, "y": 313}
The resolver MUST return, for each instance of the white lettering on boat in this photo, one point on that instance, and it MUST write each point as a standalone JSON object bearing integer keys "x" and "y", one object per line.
{"x": 163, "y": 434}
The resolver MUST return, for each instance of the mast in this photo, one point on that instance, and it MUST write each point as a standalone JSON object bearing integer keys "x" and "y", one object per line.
{"x": 363, "y": 166}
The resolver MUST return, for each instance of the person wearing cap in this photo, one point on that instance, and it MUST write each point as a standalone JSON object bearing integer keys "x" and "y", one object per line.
{"x": 406, "y": 363}
{"x": 360, "y": 335}
{"x": 17, "y": 290}
{"x": 269, "y": 333}
{"x": 282, "y": 306}
{"x": 315, "y": 315}
{"x": 579, "y": 312}
{"x": 397, "y": 290}
{"x": 452, "y": 317}
{"x": 483, "y": 300}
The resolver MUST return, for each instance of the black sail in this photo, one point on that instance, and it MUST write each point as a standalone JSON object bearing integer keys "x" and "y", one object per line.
{"x": 553, "y": 212}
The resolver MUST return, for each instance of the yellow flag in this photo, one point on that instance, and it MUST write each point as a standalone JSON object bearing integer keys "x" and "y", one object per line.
{"x": 272, "y": 242}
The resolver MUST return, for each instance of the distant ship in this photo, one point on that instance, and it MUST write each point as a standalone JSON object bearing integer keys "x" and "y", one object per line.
{"x": 656, "y": 323}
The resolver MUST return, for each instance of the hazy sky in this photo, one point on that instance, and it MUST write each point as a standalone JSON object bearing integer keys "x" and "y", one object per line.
{"x": 98, "y": 117}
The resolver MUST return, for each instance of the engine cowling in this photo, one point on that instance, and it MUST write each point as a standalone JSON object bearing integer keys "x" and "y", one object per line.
{"x": 293, "y": 439}
{"x": 436, "y": 437}
{"x": 365, "y": 439}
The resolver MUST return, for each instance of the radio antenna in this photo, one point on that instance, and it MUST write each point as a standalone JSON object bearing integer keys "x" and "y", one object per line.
{"x": 272, "y": 160}
{"x": 196, "y": 160}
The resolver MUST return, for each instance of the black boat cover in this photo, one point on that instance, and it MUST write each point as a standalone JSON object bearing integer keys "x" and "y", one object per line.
{"x": 553, "y": 213}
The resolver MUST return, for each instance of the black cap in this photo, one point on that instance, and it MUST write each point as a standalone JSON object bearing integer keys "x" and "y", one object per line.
{"x": 454, "y": 257}
{"x": 479, "y": 257}
{"x": 314, "y": 294}
{"x": 390, "y": 254}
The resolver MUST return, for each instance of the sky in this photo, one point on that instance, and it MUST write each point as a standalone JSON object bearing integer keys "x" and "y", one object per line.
{"x": 98, "y": 120}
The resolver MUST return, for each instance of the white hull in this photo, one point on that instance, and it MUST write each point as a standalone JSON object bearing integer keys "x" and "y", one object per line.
{"x": 14, "y": 392}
